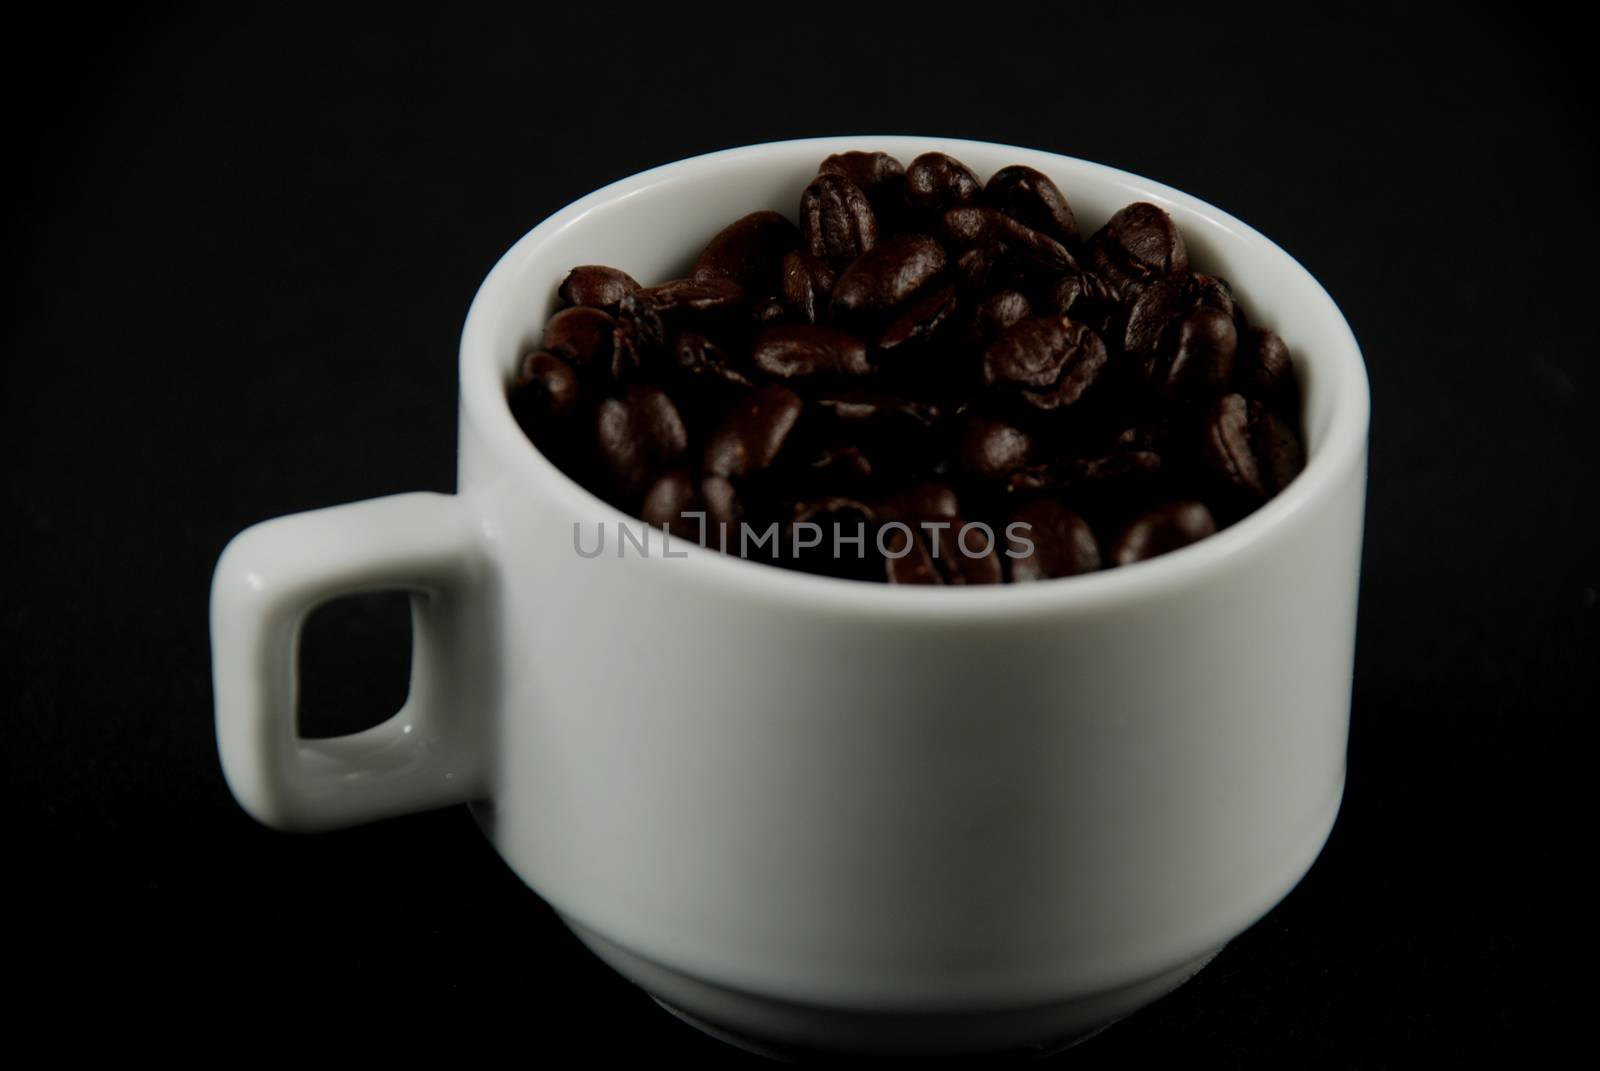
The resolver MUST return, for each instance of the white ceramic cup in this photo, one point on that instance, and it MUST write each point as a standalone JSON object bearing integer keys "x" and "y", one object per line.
{"x": 818, "y": 814}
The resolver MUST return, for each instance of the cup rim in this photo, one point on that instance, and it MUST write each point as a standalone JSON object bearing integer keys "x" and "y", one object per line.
{"x": 484, "y": 405}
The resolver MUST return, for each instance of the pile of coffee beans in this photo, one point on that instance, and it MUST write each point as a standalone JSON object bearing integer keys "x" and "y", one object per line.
{"x": 930, "y": 379}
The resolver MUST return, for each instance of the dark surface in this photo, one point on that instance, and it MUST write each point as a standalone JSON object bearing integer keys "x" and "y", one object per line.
{"x": 245, "y": 251}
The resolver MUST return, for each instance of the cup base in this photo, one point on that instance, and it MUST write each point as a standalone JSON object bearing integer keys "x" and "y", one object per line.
{"x": 810, "y": 1034}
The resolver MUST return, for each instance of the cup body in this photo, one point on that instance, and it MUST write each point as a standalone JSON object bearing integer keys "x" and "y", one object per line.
{"x": 822, "y": 814}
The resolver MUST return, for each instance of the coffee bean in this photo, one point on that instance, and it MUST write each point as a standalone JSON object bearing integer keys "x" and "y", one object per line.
{"x": 1263, "y": 369}
{"x": 639, "y": 335}
{"x": 1251, "y": 450}
{"x": 806, "y": 350}
{"x": 1138, "y": 244}
{"x": 976, "y": 266}
{"x": 906, "y": 558}
{"x": 1279, "y": 455}
{"x": 581, "y": 336}
{"x": 1163, "y": 529}
{"x": 836, "y": 219}
{"x": 1152, "y": 313}
{"x": 748, "y": 252}
{"x": 973, "y": 225}
{"x": 871, "y": 171}
{"x": 865, "y": 408}
{"x": 807, "y": 285}
{"x": 639, "y": 436}
{"x": 1202, "y": 353}
{"x": 1054, "y": 542}
{"x": 918, "y": 503}
{"x": 1086, "y": 297}
{"x": 935, "y": 182}
{"x": 597, "y": 286}
{"x": 968, "y": 555}
{"x": 885, "y": 277}
{"x": 546, "y": 389}
{"x": 1030, "y": 198}
{"x": 753, "y": 433}
{"x": 699, "y": 356}
{"x": 669, "y": 501}
{"x": 1000, "y": 311}
{"x": 695, "y": 295}
{"x": 1053, "y": 359}
{"x": 924, "y": 317}
{"x": 991, "y": 449}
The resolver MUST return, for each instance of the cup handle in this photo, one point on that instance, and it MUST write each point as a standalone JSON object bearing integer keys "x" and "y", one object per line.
{"x": 270, "y": 577}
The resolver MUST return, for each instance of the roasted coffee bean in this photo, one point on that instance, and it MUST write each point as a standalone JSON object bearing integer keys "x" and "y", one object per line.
{"x": 545, "y": 389}
{"x": 699, "y": 356}
{"x": 976, "y": 266}
{"x": 973, "y": 225}
{"x": 1249, "y": 448}
{"x": 807, "y": 285}
{"x": 1163, "y": 529}
{"x": 1087, "y": 474}
{"x": 924, "y": 317}
{"x": 836, "y": 219}
{"x": 842, "y": 464}
{"x": 695, "y": 295}
{"x": 670, "y": 501}
{"x": 597, "y": 286}
{"x": 1000, "y": 311}
{"x": 748, "y": 252}
{"x": 639, "y": 334}
{"x": 967, "y": 554}
{"x": 640, "y": 435}
{"x": 581, "y": 336}
{"x": 753, "y": 433}
{"x": 906, "y": 558}
{"x": 805, "y": 350}
{"x": 1150, "y": 316}
{"x": 935, "y": 182}
{"x": 1053, "y": 359}
{"x": 871, "y": 171}
{"x": 1279, "y": 455}
{"x": 991, "y": 449}
{"x": 1203, "y": 348}
{"x": 884, "y": 278}
{"x": 1138, "y": 244}
{"x": 918, "y": 333}
{"x": 1030, "y": 198}
{"x": 1263, "y": 369}
{"x": 919, "y": 502}
{"x": 1054, "y": 542}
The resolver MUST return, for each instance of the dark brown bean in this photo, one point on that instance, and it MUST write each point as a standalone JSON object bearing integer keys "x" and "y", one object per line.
{"x": 1227, "y": 445}
{"x": 1279, "y": 454}
{"x": 922, "y": 319}
{"x": 1203, "y": 347}
{"x": 1000, "y": 311}
{"x": 699, "y": 356}
{"x": 1051, "y": 358}
{"x": 919, "y": 502}
{"x": 868, "y": 170}
{"x": 639, "y": 334}
{"x": 668, "y": 503}
{"x": 545, "y": 389}
{"x": 976, "y": 266}
{"x": 597, "y": 286}
{"x": 1263, "y": 368}
{"x": 639, "y": 436}
{"x": 806, "y": 350}
{"x": 992, "y": 449}
{"x": 836, "y": 219}
{"x": 807, "y": 285}
{"x": 1151, "y": 315}
{"x": 748, "y": 251}
{"x": 1030, "y": 198}
{"x": 581, "y": 336}
{"x": 906, "y": 558}
{"x": 864, "y": 407}
{"x": 696, "y": 295}
{"x": 1056, "y": 542}
{"x": 935, "y": 182}
{"x": 1138, "y": 244}
{"x": 968, "y": 556}
{"x": 753, "y": 433}
{"x": 973, "y": 225}
{"x": 1161, "y": 530}
{"x": 881, "y": 280}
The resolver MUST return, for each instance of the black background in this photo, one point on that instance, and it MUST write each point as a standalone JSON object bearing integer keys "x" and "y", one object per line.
{"x": 244, "y": 248}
